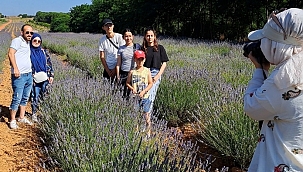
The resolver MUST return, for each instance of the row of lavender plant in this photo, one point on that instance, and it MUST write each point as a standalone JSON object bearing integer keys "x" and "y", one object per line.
{"x": 203, "y": 83}
{"x": 209, "y": 84}
{"x": 5, "y": 39}
{"x": 88, "y": 127}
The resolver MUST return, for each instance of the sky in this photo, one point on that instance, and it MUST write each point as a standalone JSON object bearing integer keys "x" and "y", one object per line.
{"x": 31, "y": 7}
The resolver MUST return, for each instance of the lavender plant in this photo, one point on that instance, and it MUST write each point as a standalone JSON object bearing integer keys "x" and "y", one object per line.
{"x": 5, "y": 39}
{"x": 88, "y": 127}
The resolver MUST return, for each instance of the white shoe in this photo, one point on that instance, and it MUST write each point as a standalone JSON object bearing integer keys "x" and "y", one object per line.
{"x": 34, "y": 118}
{"x": 25, "y": 121}
{"x": 13, "y": 124}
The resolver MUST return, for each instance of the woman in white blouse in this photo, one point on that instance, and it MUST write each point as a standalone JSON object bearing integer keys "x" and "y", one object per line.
{"x": 278, "y": 99}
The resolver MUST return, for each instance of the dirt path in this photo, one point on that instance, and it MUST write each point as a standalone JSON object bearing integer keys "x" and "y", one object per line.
{"x": 19, "y": 149}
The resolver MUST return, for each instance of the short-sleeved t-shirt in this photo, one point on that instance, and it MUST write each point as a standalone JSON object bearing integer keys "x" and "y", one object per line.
{"x": 110, "y": 51}
{"x": 127, "y": 56}
{"x": 22, "y": 55}
{"x": 140, "y": 80}
{"x": 154, "y": 59}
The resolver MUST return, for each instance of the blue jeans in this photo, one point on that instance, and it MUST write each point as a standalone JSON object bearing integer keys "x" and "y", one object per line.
{"x": 153, "y": 90}
{"x": 21, "y": 90}
{"x": 38, "y": 90}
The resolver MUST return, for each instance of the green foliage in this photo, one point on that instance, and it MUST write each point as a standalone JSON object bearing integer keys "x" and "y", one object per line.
{"x": 230, "y": 131}
{"x": 60, "y": 23}
{"x": 25, "y": 16}
{"x": 1, "y": 15}
{"x": 215, "y": 20}
{"x": 3, "y": 21}
{"x": 45, "y": 17}
{"x": 39, "y": 23}
{"x": 224, "y": 20}
{"x": 82, "y": 19}
{"x": 176, "y": 98}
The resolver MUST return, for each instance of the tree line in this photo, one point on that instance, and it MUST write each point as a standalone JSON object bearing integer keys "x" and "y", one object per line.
{"x": 208, "y": 19}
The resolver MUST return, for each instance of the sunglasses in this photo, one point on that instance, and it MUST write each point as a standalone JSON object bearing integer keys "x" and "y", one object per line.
{"x": 28, "y": 32}
{"x": 36, "y": 41}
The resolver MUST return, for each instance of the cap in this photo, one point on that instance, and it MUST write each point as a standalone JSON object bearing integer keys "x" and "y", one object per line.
{"x": 139, "y": 54}
{"x": 269, "y": 32}
{"x": 106, "y": 21}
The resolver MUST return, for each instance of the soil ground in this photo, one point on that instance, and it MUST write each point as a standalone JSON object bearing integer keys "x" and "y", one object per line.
{"x": 20, "y": 150}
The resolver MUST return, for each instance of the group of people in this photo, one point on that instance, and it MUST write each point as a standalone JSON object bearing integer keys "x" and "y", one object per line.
{"x": 275, "y": 99}
{"x": 31, "y": 72}
{"x": 136, "y": 68}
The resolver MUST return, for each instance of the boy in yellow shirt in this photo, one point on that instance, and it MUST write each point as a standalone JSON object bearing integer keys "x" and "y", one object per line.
{"x": 139, "y": 81}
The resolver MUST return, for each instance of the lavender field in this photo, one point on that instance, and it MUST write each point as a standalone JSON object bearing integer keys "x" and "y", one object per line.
{"x": 202, "y": 85}
{"x": 88, "y": 127}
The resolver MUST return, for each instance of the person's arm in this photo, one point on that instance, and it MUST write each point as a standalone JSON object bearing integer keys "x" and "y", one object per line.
{"x": 262, "y": 100}
{"x": 149, "y": 86}
{"x": 128, "y": 82}
{"x": 164, "y": 59}
{"x": 12, "y": 60}
{"x": 49, "y": 66}
{"x": 102, "y": 58}
{"x": 118, "y": 67}
{"x": 163, "y": 66}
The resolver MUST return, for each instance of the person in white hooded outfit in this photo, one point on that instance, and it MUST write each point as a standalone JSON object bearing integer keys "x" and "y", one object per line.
{"x": 278, "y": 100}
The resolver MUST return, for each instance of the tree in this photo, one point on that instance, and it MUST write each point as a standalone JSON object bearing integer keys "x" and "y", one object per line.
{"x": 60, "y": 23}
{"x": 80, "y": 19}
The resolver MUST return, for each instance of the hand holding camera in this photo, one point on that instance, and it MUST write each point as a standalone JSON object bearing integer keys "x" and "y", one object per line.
{"x": 253, "y": 51}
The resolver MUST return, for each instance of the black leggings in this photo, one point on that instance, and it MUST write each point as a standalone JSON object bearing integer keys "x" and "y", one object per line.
{"x": 122, "y": 84}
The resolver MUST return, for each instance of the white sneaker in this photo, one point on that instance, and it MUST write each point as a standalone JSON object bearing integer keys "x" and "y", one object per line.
{"x": 34, "y": 118}
{"x": 13, "y": 124}
{"x": 25, "y": 121}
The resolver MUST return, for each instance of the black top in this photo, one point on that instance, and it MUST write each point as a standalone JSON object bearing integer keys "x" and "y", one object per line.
{"x": 154, "y": 59}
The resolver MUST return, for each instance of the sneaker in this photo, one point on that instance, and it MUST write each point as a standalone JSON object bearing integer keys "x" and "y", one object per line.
{"x": 25, "y": 121}
{"x": 34, "y": 118}
{"x": 13, "y": 124}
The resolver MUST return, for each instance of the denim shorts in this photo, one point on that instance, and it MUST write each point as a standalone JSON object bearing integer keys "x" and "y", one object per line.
{"x": 144, "y": 104}
{"x": 21, "y": 90}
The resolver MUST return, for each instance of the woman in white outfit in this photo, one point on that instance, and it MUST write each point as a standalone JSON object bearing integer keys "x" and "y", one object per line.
{"x": 278, "y": 100}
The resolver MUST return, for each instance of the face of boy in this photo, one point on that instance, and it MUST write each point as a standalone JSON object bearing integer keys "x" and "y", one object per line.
{"x": 140, "y": 61}
{"x": 108, "y": 28}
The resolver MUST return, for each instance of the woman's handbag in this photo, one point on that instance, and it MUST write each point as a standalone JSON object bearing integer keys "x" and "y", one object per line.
{"x": 40, "y": 77}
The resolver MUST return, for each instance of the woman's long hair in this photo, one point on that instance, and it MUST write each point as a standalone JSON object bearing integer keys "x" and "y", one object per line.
{"x": 145, "y": 43}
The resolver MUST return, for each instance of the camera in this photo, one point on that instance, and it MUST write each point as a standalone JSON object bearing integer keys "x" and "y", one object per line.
{"x": 255, "y": 49}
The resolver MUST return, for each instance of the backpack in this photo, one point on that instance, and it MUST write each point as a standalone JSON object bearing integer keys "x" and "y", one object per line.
{"x": 136, "y": 47}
